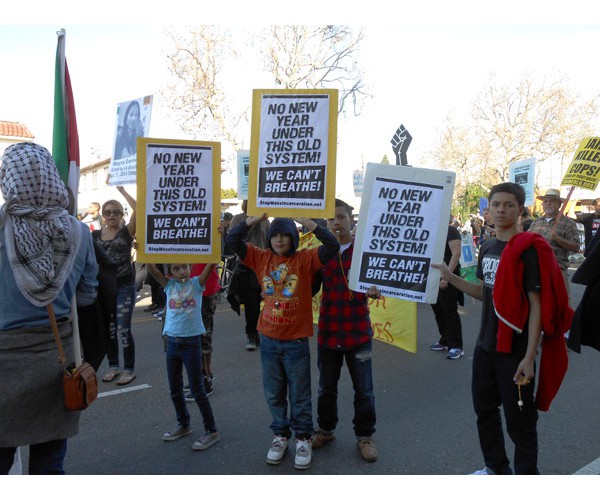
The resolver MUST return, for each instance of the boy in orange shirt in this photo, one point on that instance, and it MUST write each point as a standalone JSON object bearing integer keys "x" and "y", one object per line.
{"x": 285, "y": 324}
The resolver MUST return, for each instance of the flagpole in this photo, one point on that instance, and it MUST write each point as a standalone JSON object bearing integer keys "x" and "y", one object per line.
{"x": 65, "y": 149}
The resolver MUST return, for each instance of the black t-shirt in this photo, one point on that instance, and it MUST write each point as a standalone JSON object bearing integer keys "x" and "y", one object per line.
{"x": 487, "y": 265}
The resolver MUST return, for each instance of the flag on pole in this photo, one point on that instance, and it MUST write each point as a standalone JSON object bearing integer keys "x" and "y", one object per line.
{"x": 65, "y": 139}
{"x": 65, "y": 151}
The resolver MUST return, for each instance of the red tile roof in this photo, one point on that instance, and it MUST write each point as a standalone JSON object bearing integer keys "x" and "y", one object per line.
{"x": 14, "y": 129}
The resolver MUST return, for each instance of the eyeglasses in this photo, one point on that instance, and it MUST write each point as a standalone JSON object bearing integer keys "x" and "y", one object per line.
{"x": 108, "y": 213}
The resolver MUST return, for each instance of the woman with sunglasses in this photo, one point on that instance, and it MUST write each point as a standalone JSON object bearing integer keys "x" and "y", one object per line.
{"x": 116, "y": 238}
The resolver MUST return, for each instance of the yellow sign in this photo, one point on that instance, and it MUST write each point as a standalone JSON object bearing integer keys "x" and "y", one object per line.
{"x": 394, "y": 321}
{"x": 584, "y": 170}
{"x": 293, "y": 153}
{"x": 178, "y": 201}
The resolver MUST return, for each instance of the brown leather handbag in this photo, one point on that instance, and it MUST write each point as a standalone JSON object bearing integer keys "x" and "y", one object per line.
{"x": 79, "y": 383}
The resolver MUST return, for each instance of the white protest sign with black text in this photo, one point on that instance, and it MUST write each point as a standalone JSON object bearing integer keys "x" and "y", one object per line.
{"x": 243, "y": 169}
{"x": 292, "y": 160}
{"x": 402, "y": 229}
{"x": 179, "y": 207}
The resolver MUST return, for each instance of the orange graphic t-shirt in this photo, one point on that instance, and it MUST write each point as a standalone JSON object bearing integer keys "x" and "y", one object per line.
{"x": 286, "y": 291}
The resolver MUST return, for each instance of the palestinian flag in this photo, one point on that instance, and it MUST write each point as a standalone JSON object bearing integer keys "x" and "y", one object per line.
{"x": 65, "y": 139}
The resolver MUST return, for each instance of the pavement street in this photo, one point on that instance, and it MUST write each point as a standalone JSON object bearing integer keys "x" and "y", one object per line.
{"x": 425, "y": 420}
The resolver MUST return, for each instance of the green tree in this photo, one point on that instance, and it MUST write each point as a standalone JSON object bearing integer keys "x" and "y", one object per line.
{"x": 468, "y": 202}
{"x": 228, "y": 193}
{"x": 385, "y": 160}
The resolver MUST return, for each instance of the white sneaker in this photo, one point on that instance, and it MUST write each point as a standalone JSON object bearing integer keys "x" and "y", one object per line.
{"x": 279, "y": 446}
{"x": 303, "y": 454}
{"x": 483, "y": 472}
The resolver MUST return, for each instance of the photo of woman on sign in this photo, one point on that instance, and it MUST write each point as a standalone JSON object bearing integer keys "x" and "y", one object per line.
{"x": 128, "y": 132}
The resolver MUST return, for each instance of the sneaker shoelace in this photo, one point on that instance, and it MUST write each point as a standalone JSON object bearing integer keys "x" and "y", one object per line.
{"x": 278, "y": 443}
{"x": 302, "y": 449}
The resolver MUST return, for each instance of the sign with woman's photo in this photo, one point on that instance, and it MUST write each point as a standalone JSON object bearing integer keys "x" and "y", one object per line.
{"x": 292, "y": 153}
{"x": 133, "y": 121}
{"x": 402, "y": 229}
{"x": 178, "y": 201}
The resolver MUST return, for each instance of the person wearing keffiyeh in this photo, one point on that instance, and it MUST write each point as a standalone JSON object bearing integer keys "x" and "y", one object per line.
{"x": 45, "y": 258}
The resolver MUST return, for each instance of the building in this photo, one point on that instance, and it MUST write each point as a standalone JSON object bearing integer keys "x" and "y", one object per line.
{"x": 11, "y": 133}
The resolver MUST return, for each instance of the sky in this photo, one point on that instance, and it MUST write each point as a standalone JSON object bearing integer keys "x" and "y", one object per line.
{"x": 432, "y": 63}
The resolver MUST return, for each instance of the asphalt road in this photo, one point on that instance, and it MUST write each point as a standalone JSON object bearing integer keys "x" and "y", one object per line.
{"x": 425, "y": 420}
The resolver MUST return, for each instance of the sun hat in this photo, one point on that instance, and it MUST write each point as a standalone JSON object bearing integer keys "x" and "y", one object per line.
{"x": 551, "y": 193}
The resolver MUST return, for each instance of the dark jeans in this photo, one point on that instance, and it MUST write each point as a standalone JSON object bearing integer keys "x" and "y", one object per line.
{"x": 359, "y": 365}
{"x": 493, "y": 386}
{"x": 44, "y": 458}
{"x": 120, "y": 328}
{"x": 447, "y": 318}
{"x": 187, "y": 351}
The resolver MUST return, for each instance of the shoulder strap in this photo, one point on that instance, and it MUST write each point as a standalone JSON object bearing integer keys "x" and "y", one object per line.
{"x": 61, "y": 353}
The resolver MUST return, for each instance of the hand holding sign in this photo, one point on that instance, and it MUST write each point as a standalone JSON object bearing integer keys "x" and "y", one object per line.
{"x": 400, "y": 142}
{"x": 309, "y": 224}
{"x": 445, "y": 272}
{"x": 251, "y": 221}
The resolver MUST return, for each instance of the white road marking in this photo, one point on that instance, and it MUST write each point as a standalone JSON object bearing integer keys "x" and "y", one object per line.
{"x": 593, "y": 468}
{"x": 126, "y": 389}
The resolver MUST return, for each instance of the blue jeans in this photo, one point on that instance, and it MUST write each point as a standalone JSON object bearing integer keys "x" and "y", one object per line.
{"x": 44, "y": 458}
{"x": 120, "y": 328}
{"x": 187, "y": 351}
{"x": 286, "y": 369}
{"x": 359, "y": 365}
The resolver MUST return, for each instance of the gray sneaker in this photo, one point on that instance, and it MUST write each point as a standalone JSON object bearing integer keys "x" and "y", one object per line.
{"x": 176, "y": 433}
{"x": 279, "y": 446}
{"x": 206, "y": 441}
{"x": 303, "y": 454}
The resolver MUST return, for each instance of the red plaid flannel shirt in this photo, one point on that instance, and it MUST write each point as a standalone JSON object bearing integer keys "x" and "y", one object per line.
{"x": 344, "y": 322}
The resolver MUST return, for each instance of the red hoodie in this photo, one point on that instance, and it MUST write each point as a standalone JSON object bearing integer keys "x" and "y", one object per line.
{"x": 512, "y": 309}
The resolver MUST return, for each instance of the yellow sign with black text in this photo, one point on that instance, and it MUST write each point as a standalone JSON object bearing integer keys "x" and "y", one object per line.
{"x": 584, "y": 170}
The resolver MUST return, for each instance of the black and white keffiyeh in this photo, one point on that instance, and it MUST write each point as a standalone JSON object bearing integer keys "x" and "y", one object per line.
{"x": 41, "y": 238}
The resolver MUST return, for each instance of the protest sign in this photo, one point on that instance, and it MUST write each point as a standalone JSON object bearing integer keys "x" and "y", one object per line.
{"x": 292, "y": 153}
{"x": 133, "y": 121}
{"x": 468, "y": 258}
{"x": 523, "y": 173}
{"x": 243, "y": 168}
{"x": 401, "y": 230}
{"x": 584, "y": 170}
{"x": 178, "y": 206}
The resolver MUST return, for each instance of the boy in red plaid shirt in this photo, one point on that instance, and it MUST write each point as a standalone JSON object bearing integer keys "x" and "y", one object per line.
{"x": 345, "y": 332}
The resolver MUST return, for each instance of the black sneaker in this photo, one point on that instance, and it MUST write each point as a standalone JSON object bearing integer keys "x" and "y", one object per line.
{"x": 251, "y": 344}
{"x": 208, "y": 385}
